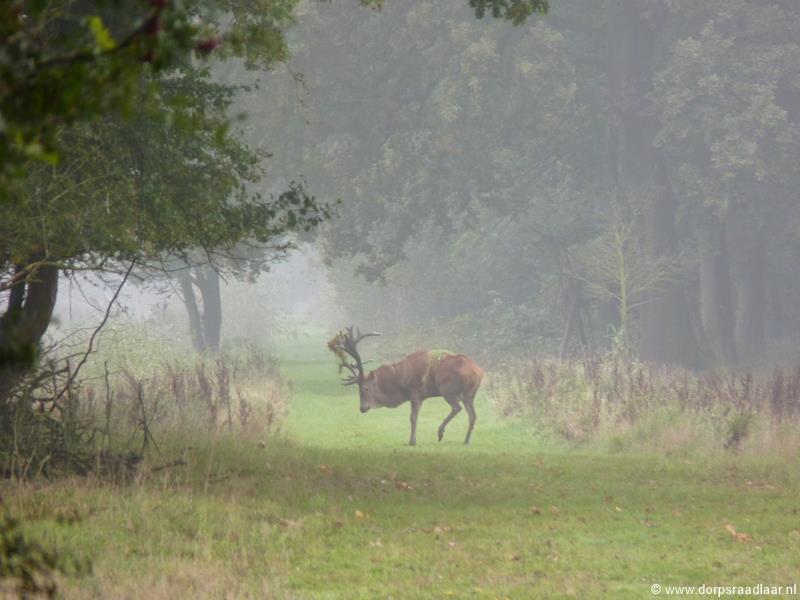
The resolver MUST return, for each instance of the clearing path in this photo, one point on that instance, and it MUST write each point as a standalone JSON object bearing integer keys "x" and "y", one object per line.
{"x": 509, "y": 517}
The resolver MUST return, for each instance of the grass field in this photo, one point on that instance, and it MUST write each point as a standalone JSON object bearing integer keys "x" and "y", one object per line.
{"x": 340, "y": 507}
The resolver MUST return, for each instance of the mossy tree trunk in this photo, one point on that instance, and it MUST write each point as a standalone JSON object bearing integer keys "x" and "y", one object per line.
{"x": 29, "y": 310}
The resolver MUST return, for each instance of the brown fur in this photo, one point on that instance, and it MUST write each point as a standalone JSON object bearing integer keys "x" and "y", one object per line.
{"x": 424, "y": 375}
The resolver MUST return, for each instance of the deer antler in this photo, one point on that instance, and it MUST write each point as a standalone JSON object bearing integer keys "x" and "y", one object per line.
{"x": 343, "y": 345}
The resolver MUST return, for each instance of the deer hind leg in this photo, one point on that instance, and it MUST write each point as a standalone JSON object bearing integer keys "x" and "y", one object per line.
{"x": 468, "y": 404}
{"x": 415, "y": 404}
{"x": 455, "y": 408}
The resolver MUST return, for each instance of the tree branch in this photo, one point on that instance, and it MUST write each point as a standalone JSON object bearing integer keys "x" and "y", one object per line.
{"x": 85, "y": 357}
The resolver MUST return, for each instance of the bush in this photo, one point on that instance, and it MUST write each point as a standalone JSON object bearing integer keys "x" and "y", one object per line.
{"x": 104, "y": 424}
{"x": 633, "y": 404}
{"x": 26, "y": 568}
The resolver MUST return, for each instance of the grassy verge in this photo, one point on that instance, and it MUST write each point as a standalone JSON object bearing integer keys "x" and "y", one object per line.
{"x": 341, "y": 508}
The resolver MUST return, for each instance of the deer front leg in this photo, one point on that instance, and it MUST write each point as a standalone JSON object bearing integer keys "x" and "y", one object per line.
{"x": 415, "y": 404}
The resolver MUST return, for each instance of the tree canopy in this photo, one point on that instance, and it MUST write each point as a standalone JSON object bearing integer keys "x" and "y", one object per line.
{"x": 140, "y": 164}
{"x": 479, "y": 169}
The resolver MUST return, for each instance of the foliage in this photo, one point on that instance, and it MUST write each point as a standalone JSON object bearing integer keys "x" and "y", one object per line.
{"x": 64, "y": 62}
{"x": 516, "y": 11}
{"x": 26, "y": 568}
{"x": 171, "y": 183}
{"x": 472, "y": 164}
{"x": 140, "y": 386}
{"x": 603, "y": 398}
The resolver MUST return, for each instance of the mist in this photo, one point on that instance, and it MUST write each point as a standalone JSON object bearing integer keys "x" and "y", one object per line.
{"x": 498, "y": 179}
{"x": 390, "y": 299}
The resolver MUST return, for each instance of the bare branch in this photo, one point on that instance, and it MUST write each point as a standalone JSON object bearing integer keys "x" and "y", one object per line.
{"x": 89, "y": 350}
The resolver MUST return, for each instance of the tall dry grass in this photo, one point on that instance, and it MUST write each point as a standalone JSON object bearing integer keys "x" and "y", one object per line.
{"x": 630, "y": 404}
{"x": 110, "y": 422}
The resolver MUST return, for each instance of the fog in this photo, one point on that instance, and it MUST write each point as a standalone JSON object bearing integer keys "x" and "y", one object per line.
{"x": 613, "y": 174}
{"x": 392, "y": 299}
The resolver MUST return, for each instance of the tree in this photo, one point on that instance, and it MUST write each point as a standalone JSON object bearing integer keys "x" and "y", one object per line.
{"x": 734, "y": 163}
{"x": 62, "y": 63}
{"x": 450, "y": 152}
{"x": 169, "y": 180}
{"x": 616, "y": 267}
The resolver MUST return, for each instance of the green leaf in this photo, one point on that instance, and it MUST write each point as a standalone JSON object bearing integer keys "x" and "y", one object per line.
{"x": 102, "y": 37}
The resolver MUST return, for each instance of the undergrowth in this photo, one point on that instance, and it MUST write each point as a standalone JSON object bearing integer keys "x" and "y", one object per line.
{"x": 634, "y": 405}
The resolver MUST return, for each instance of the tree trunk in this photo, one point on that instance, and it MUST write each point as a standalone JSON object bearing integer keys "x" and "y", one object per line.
{"x": 25, "y": 321}
{"x": 640, "y": 178}
{"x": 572, "y": 297}
{"x": 208, "y": 282}
{"x": 716, "y": 292}
{"x": 205, "y": 327}
{"x": 779, "y": 323}
{"x": 193, "y": 312}
{"x": 752, "y": 295}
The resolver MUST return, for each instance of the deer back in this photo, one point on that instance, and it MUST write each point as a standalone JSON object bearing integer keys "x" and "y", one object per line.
{"x": 427, "y": 373}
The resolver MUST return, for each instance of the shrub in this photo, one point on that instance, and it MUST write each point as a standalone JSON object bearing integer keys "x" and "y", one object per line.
{"x": 26, "y": 568}
{"x": 52, "y": 425}
{"x": 630, "y": 403}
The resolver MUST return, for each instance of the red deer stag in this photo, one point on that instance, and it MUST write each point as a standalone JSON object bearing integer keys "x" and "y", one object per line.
{"x": 423, "y": 374}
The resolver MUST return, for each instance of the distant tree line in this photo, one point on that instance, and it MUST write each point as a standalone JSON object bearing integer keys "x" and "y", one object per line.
{"x": 617, "y": 174}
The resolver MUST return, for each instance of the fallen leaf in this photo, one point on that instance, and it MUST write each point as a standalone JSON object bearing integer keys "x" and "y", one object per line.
{"x": 608, "y": 499}
{"x": 554, "y": 510}
{"x": 618, "y": 509}
{"x": 451, "y": 544}
{"x": 737, "y": 535}
{"x": 360, "y": 515}
{"x": 536, "y": 510}
{"x": 376, "y": 544}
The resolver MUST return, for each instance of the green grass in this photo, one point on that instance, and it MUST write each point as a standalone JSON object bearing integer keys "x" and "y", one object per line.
{"x": 340, "y": 507}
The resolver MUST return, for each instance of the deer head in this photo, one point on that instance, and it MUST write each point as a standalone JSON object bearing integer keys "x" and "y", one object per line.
{"x": 344, "y": 345}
